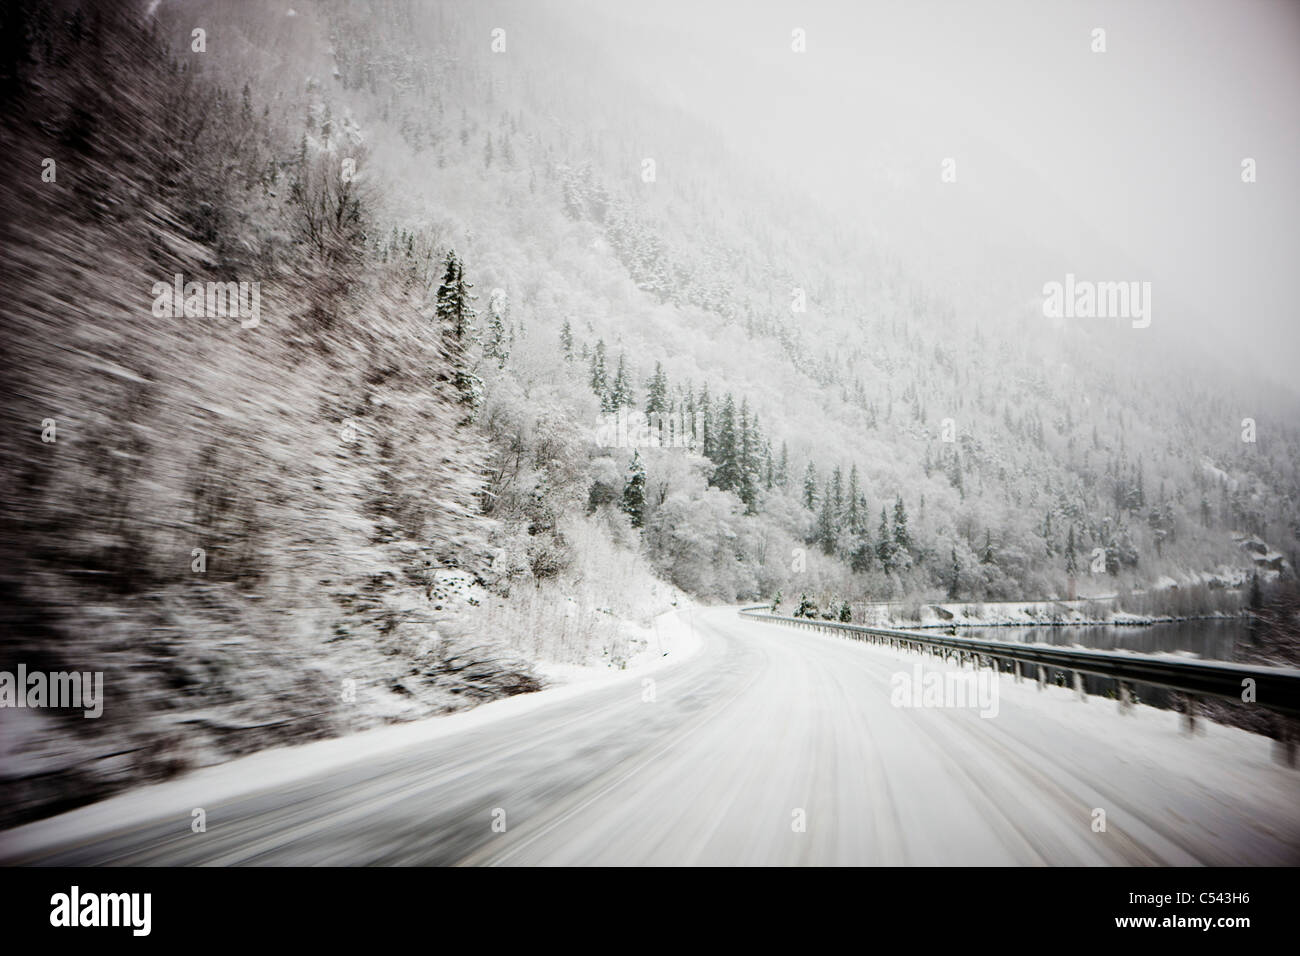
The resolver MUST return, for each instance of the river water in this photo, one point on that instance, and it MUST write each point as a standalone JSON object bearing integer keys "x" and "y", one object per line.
{"x": 1214, "y": 639}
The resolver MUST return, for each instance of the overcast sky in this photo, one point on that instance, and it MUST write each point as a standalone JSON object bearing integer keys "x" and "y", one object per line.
{"x": 1141, "y": 146}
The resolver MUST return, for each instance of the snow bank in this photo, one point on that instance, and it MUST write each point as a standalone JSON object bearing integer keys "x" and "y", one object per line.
{"x": 668, "y": 640}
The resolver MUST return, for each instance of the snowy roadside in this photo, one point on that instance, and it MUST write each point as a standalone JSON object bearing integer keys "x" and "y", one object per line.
{"x": 651, "y": 647}
{"x": 1147, "y": 748}
{"x": 668, "y": 640}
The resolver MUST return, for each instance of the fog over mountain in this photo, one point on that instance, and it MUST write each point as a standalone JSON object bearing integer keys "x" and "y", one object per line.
{"x": 1121, "y": 164}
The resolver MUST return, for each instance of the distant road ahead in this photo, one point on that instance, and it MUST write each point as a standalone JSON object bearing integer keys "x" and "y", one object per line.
{"x": 766, "y": 727}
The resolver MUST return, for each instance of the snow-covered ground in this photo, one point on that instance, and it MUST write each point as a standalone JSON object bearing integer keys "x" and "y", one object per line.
{"x": 767, "y": 745}
{"x": 649, "y": 647}
{"x": 670, "y": 639}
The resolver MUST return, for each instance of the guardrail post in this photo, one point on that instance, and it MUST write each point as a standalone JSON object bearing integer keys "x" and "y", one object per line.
{"x": 1078, "y": 687}
{"x": 1125, "y": 698}
{"x": 1189, "y": 713}
{"x": 1042, "y": 677}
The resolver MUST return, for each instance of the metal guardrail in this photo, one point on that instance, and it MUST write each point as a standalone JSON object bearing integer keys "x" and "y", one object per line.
{"x": 1275, "y": 688}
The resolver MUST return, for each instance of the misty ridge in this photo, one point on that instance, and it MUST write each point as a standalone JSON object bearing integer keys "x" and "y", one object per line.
{"x": 371, "y": 360}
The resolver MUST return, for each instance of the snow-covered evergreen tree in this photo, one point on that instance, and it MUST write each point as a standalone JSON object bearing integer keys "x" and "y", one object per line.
{"x": 634, "y": 491}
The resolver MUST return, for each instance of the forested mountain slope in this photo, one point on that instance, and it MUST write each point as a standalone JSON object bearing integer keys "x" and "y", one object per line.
{"x": 714, "y": 282}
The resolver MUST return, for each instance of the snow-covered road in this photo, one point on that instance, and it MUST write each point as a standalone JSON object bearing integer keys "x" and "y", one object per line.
{"x": 768, "y": 746}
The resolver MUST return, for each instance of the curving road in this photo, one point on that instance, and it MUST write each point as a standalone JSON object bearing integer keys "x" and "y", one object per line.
{"x": 765, "y": 727}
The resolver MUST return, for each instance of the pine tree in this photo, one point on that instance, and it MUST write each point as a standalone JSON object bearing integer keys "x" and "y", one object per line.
{"x": 954, "y": 581}
{"x": 863, "y": 554}
{"x": 902, "y": 539}
{"x": 726, "y": 452}
{"x": 453, "y": 310}
{"x": 1112, "y": 558}
{"x": 599, "y": 379}
{"x": 987, "y": 556}
{"x": 656, "y": 401}
{"x": 748, "y": 458}
{"x": 705, "y": 415}
{"x": 855, "y": 518}
{"x": 810, "y": 487}
{"x": 689, "y": 418}
{"x": 826, "y": 522}
{"x": 495, "y": 346}
{"x": 885, "y": 544}
{"x": 455, "y": 317}
{"x": 620, "y": 393}
{"x": 1071, "y": 566}
{"x": 783, "y": 468}
{"x": 634, "y": 491}
{"x": 837, "y": 494}
{"x": 447, "y": 305}
{"x": 566, "y": 341}
{"x": 806, "y": 607}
